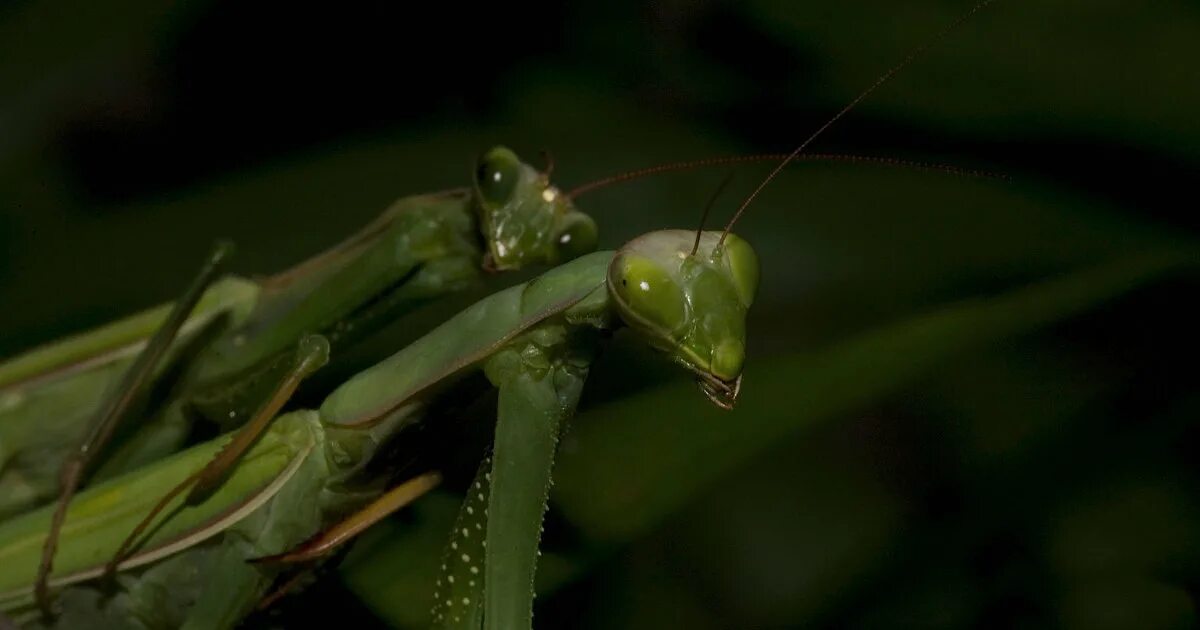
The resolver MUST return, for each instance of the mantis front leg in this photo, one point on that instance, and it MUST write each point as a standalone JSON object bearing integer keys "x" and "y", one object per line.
{"x": 540, "y": 380}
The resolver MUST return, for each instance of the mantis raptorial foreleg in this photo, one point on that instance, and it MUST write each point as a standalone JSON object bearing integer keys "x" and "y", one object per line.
{"x": 458, "y": 594}
{"x": 533, "y": 405}
{"x": 487, "y": 574}
{"x": 495, "y": 538}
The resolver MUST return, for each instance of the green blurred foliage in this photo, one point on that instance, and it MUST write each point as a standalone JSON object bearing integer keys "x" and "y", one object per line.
{"x": 969, "y": 401}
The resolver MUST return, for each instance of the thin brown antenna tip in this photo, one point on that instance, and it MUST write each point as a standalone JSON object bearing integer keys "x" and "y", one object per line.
{"x": 881, "y": 80}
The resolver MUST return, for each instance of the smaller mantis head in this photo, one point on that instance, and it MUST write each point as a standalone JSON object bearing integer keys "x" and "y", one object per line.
{"x": 526, "y": 220}
{"x": 690, "y": 305}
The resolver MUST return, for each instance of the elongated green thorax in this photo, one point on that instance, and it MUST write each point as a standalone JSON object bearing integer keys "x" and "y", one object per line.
{"x": 690, "y": 305}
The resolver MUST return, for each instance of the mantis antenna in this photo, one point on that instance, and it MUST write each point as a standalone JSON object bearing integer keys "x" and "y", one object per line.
{"x": 690, "y": 165}
{"x": 548, "y": 160}
{"x": 712, "y": 199}
{"x": 883, "y": 78}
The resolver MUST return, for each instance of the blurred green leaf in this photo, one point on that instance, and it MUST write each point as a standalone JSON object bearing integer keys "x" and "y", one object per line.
{"x": 1102, "y": 69}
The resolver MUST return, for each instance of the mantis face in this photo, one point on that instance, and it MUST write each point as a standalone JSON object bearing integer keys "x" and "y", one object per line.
{"x": 525, "y": 220}
{"x": 691, "y": 306}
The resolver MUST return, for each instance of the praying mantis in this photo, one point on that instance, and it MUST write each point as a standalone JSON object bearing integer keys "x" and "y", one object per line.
{"x": 657, "y": 285}
{"x": 534, "y": 342}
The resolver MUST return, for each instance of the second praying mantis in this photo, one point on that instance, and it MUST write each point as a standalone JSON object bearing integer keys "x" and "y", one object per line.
{"x": 222, "y": 347}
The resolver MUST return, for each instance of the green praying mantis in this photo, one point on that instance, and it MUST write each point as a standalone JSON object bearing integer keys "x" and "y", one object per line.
{"x": 420, "y": 248}
{"x": 684, "y": 293}
{"x": 64, "y": 381}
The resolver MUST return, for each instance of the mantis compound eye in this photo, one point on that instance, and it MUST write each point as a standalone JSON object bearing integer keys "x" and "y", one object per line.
{"x": 742, "y": 263}
{"x": 576, "y": 237}
{"x": 496, "y": 175}
{"x": 647, "y": 295}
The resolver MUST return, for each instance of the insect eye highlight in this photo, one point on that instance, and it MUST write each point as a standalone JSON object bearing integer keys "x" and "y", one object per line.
{"x": 496, "y": 175}
{"x": 577, "y": 237}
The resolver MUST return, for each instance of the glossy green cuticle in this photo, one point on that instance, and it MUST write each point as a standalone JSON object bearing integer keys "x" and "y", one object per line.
{"x": 743, "y": 267}
{"x": 650, "y": 294}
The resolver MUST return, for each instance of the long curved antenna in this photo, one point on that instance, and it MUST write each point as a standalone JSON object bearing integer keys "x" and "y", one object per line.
{"x": 690, "y": 165}
{"x": 883, "y": 78}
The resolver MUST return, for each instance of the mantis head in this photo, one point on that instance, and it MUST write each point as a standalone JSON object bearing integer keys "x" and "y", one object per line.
{"x": 691, "y": 305}
{"x": 523, "y": 217}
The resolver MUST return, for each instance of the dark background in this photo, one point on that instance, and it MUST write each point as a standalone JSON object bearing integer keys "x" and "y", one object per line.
{"x": 923, "y": 442}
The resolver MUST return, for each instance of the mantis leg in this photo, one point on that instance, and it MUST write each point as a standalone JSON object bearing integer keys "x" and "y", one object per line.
{"x": 133, "y": 384}
{"x": 458, "y": 598}
{"x": 531, "y": 413}
{"x": 533, "y": 405}
{"x": 311, "y": 353}
{"x": 379, "y": 509}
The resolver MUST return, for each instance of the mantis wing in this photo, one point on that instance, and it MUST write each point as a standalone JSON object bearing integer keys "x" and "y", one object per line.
{"x": 102, "y": 516}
